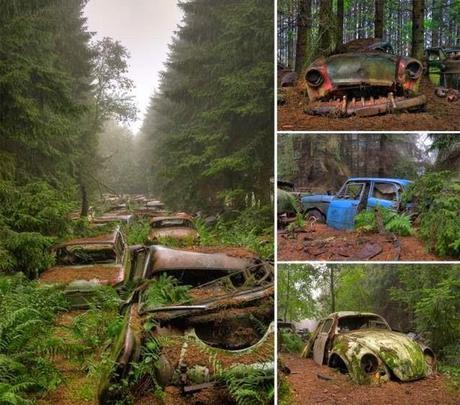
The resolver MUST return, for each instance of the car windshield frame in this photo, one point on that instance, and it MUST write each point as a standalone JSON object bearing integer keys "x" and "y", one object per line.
{"x": 372, "y": 322}
{"x": 83, "y": 254}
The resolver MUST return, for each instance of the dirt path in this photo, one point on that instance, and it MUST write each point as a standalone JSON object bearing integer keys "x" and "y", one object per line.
{"x": 440, "y": 115}
{"x": 324, "y": 243}
{"x": 307, "y": 388}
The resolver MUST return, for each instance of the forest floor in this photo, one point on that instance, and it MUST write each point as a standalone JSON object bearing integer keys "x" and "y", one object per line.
{"x": 440, "y": 115}
{"x": 320, "y": 242}
{"x": 306, "y": 388}
{"x": 76, "y": 388}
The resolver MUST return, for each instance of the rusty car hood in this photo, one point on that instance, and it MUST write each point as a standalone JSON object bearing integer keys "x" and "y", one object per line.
{"x": 173, "y": 232}
{"x": 173, "y": 259}
{"x": 375, "y": 69}
{"x": 402, "y": 355}
{"x": 102, "y": 274}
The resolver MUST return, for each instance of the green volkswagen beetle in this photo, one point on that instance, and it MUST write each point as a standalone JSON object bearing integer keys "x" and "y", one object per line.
{"x": 364, "y": 346}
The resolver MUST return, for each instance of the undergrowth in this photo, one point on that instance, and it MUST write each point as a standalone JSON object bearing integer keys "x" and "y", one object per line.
{"x": 437, "y": 198}
{"x": 290, "y": 342}
{"x": 166, "y": 290}
{"x": 398, "y": 223}
{"x": 248, "y": 385}
{"x": 251, "y": 229}
{"x": 27, "y": 314}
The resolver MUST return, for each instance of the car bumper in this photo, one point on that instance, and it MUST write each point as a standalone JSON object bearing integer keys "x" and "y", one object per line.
{"x": 365, "y": 108}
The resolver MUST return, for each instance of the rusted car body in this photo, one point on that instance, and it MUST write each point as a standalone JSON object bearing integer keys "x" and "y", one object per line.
{"x": 227, "y": 321}
{"x": 365, "y": 79}
{"x": 178, "y": 227}
{"x": 83, "y": 265}
{"x": 442, "y": 65}
{"x": 114, "y": 217}
{"x": 364, "y": 346}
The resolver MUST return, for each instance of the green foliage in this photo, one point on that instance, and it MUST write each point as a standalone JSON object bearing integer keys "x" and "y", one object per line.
{"x": 353, "y": 292}
{"x": 208, "y": 134}
{"x": 249, "y": 386}
{"x": 295, "y": 285}
{"x": 431, "y": 296}
{"x": 31, "y": 216}
{"x": 26, "y": 252}
{"x": 290, "y": 342}
{"x": 101, "y": 324}
{"x": 166, "y": 290}
{"x": 284, "y": 391}
{"x": 251, "y": 229}
{"x": 26, "y": 316}
{"x": 438, "y": 203}
{"x": 398, "y": 223}
{"x": 138, "y": 233}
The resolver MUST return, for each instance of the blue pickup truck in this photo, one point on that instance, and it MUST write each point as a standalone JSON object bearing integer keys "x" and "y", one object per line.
{"x": 358, "y": 193}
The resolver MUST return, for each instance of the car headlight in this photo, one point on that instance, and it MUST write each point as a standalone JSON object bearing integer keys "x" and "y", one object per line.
{"x": 414, "y": 70}
{"x": 369, "y": 363}
{"x": 314, "y": 77}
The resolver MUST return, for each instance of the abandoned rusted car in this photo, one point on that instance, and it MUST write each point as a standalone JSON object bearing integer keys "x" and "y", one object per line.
{"x": 83, "y": 265}
{"x": 177, "y": 227}
{"x": 365, "y": 78}
{"x": 113, "y": 218}
{"x": 442, "y": 65}
{"x": 364, "y": 346}
{"x": 358, "y": 193}
{"x": 222, "y": 318}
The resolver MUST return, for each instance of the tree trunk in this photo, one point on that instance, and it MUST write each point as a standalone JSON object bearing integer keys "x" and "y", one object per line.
{"x": 325, "y": 27}
{"x": 332, "y": 290}
{"x": 418, "y": 19}
{"x": 379, "y": 12}
{"x": 84, "y": 200}
{"x": 303, "y": 34}
{"x": 340, "y": 11}
{"x": 382, "y": 155}
{"x": 288, "y": 287}
{"x": 436, "y": 23}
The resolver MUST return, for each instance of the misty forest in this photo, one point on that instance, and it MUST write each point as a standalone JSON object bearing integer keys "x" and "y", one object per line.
{"x": 85, "y": 204}
{"x": 421, "y": 301}
{"x": 420, "y": 224}
{"x": 314, "y": 32}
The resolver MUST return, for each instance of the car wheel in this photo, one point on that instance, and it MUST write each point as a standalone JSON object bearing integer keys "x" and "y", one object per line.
{"x": 316, "y": 214}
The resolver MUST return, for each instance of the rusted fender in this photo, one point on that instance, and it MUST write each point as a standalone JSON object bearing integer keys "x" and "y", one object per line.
{"x": 393, "y": 351}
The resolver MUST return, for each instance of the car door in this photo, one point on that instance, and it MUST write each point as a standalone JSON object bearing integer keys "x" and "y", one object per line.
{"x": 321, "y": 341}
{"x": 343, "y": 208}
{"x": 384, "y": 194}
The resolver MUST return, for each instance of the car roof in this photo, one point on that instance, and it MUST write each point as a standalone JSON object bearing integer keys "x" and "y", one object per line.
{"x": 341, "y": 314}
{"x": 95, "y": 240}
{"x": 403, "y": 182}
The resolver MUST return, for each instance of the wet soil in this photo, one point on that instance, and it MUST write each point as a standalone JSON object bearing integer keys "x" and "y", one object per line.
{"x": 320, "y": 242}
{"x": 440, "y": 115}
{"x": 307, "y": 388}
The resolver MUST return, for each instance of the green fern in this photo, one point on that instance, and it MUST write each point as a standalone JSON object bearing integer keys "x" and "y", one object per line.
{"x": 166, "y": 290}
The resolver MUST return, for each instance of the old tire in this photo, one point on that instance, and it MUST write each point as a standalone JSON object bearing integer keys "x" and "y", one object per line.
{"x": 317, "y": 214}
